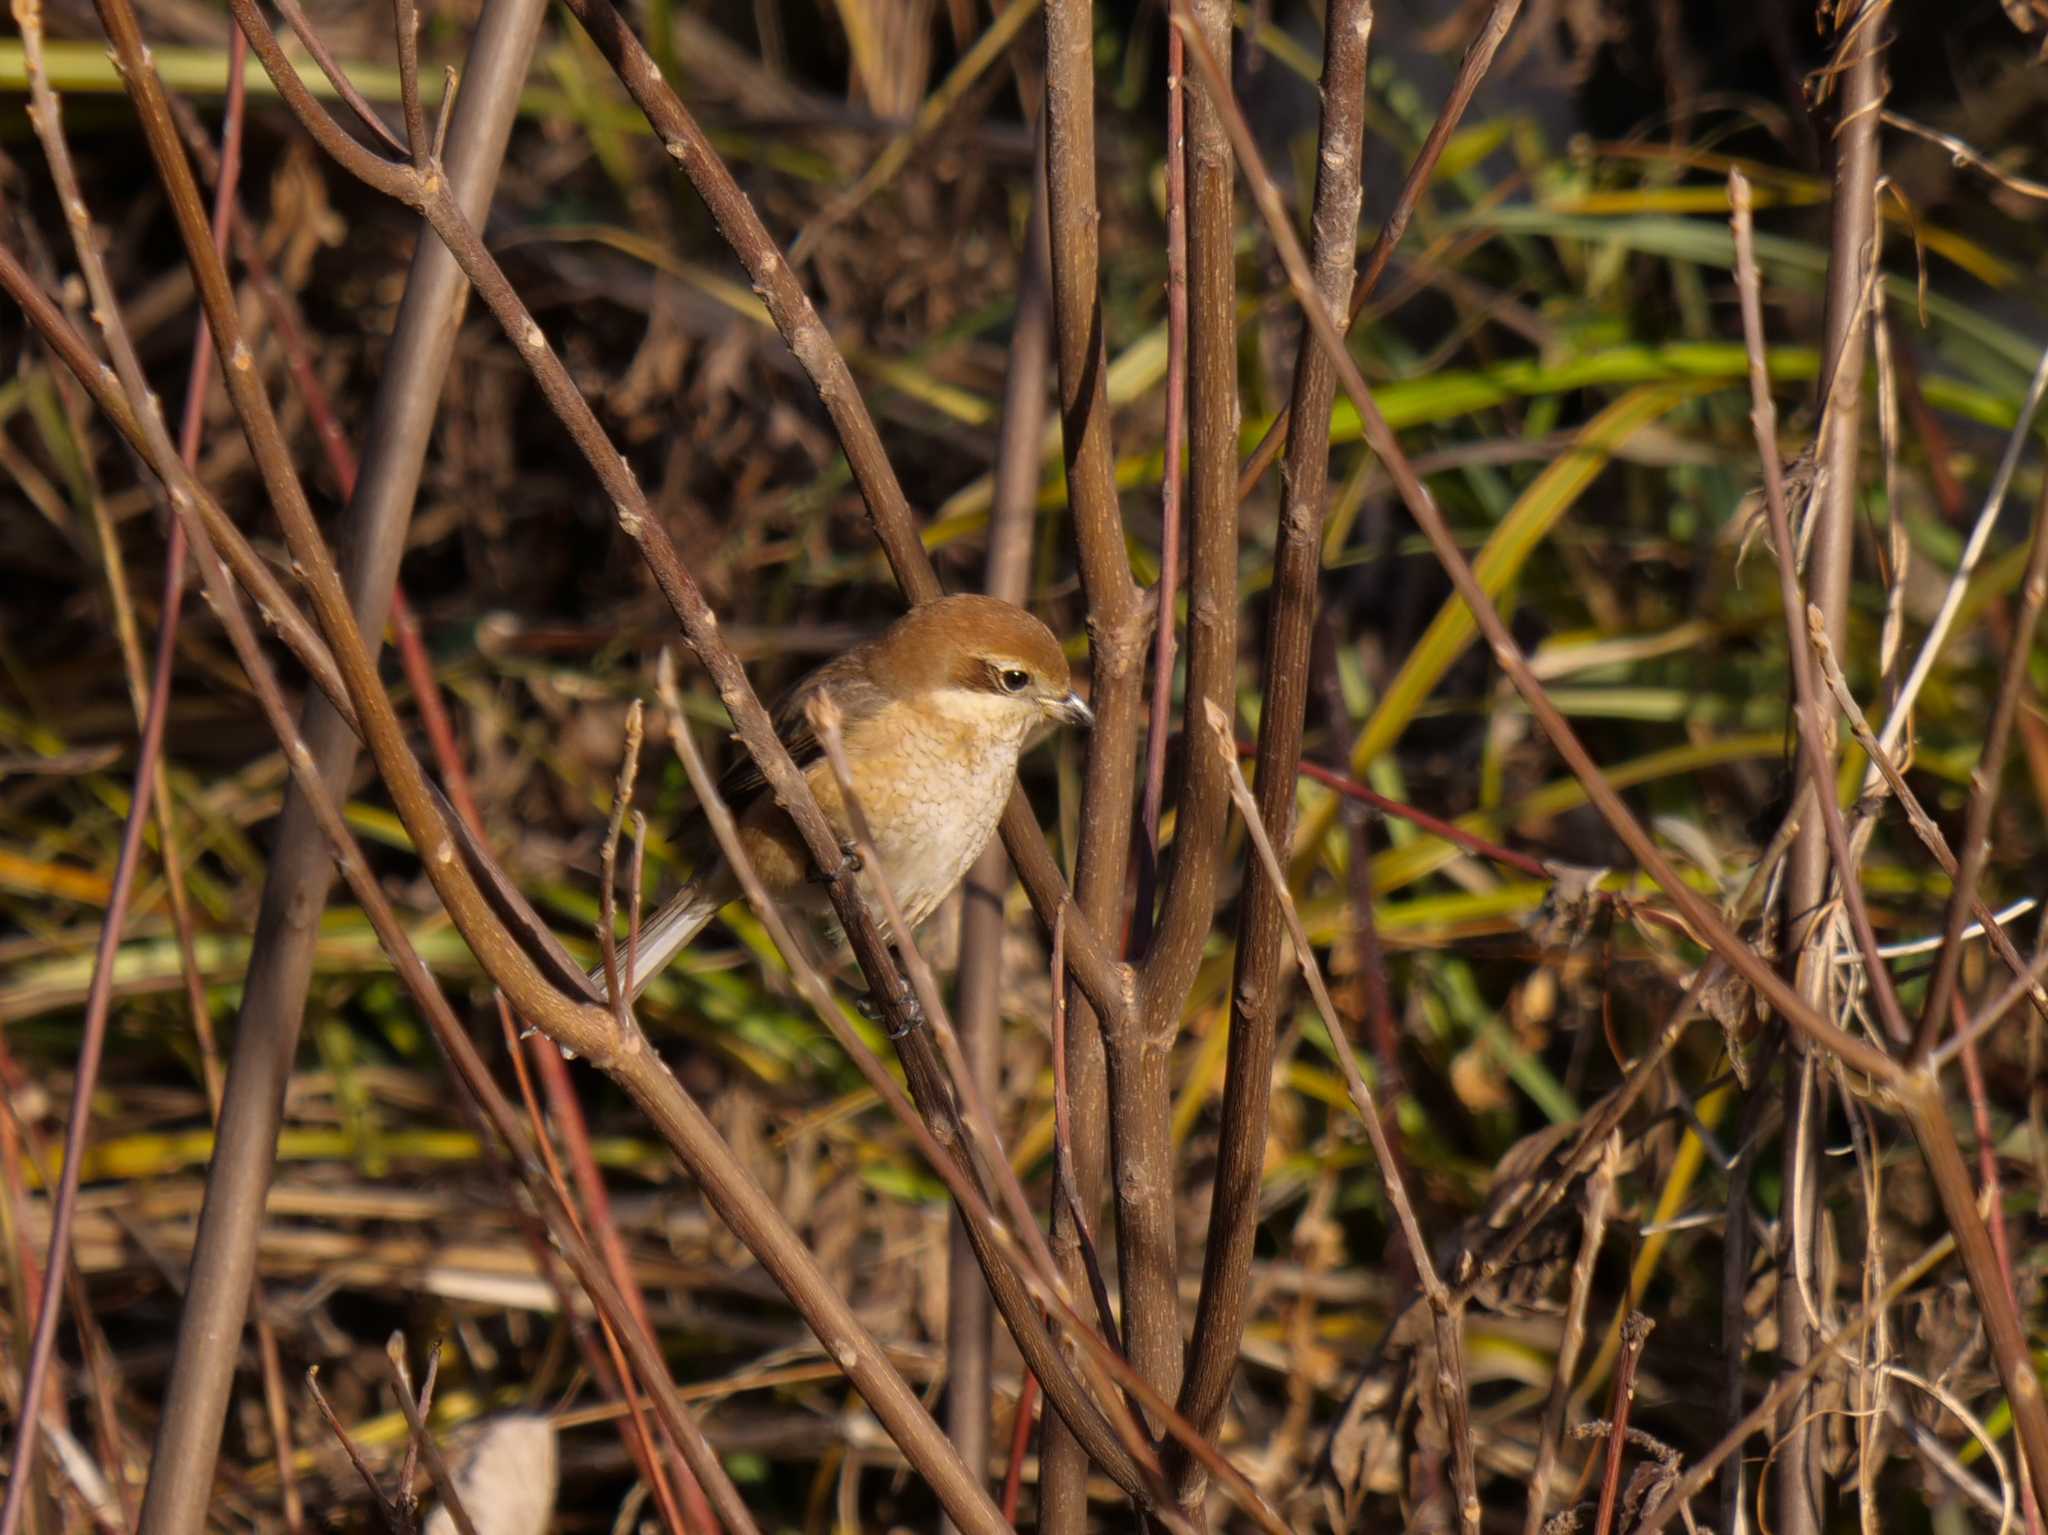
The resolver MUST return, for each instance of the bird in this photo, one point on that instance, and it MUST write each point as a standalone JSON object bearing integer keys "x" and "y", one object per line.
{"x": 936, "y": 711}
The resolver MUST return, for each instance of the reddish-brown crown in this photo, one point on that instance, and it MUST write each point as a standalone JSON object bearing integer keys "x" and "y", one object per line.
{"x": 953, "y": 641}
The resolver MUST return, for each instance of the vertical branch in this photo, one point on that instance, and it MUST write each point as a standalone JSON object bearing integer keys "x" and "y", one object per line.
{"x": 1140, "y": 1048}
{"x": 1635, "y": 1333}
{"x": 1171, "y": 481}
{"x": 1116, "y": 637}
{"x": 1805, "y": 625}
{"x": 301, "y": 872}
{"x": 1257, "y": 991}
{"x": 968, "y": 1334}
{"x": 22, "y": 1481}
{"x": 1861, "y": 84}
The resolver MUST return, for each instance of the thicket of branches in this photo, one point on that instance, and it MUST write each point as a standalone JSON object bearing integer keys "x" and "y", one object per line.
{"x": 1523, "y": 1012}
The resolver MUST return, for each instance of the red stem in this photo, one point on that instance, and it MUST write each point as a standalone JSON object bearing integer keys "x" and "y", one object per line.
{"x": 1170, "y": 489}
{"x": 99, "y": 996}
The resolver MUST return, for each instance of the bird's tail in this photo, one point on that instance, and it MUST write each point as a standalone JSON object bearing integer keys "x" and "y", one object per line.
{"x": 672, "y": 930}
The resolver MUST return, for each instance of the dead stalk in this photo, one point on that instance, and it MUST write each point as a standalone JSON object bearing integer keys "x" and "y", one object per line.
{"x": 1446, "y": 1310}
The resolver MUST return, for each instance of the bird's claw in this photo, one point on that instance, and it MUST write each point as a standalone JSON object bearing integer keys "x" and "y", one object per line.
{"x": 850, "y": 864}
{"x": 904, "y": 1005}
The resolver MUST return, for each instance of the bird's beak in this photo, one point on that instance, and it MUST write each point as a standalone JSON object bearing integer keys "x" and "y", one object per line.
{"x": 1073, "y": 710}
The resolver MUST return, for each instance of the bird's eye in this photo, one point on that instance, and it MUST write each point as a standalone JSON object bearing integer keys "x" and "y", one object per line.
{"x": 1013, "y": 680}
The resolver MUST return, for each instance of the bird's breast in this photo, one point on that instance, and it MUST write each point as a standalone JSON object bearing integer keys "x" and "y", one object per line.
{"x": 932, "y": 789}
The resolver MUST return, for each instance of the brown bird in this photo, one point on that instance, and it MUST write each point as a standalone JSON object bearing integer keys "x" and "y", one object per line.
{"x": 937, "y": 709}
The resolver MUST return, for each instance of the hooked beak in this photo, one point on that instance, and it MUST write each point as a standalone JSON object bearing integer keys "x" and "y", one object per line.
{"x": 1073, "y": 710}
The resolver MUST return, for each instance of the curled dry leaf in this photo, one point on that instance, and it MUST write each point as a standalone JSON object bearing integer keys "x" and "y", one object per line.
{"x": 508, "y": 1483}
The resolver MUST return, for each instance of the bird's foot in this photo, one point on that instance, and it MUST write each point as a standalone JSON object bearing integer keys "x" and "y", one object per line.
{"x": 900, "y": 1017}
{"x": 850, "y": 864}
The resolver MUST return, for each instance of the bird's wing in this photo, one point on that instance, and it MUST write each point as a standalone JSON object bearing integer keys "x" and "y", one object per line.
{"x": 846, "y": 677}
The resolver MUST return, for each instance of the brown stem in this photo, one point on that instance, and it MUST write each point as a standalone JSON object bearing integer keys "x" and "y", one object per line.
{"x": 300, "y": 874}
{"x": 1167, "y": 590}
{"x": 1257, "y": 994}
{"x": 1635, "y": 1333}
{"x": 1814, "y": 736}
{"x": 1140, "y": 1048}
{"x": 1705, "y": 921}
{"x": 1994, "y": 1201}
{"x": 1796, "y": 1472}
{"x": 1913, "y": 1092}
{"x": 35, "y": 1372}
{"x": 386, "y": 1509}
{"x": 1116, "y": 654}
{"x": 330, "y": 66}
{"x": 1011, "y": 514}
{"x": 420, "y": 1442}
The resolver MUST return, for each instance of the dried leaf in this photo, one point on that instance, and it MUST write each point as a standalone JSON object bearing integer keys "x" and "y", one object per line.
{"x": 507, "y": 1485}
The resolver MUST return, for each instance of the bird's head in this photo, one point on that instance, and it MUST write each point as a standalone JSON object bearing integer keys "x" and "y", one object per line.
{"x": 983, "y": 659}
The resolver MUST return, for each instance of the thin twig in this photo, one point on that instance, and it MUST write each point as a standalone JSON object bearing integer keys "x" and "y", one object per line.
{"x": 386, "y": 1509}
{"x": 1813, "y": 731}
{"x": 1961, "y": 153}
{"x": 1703, "y": 919}
{"x": 1990, "y": 923}
{"x": 1593, "y": 1227}
{"x": 406, "y": 24}
{"x": 330, "y": 66}
{"x": 1787, "y": 1386}
{"x": 1472, "y": 69}
{"x": 44, "y": 113}
{"x": 1635, "y": 1334}
{"x": 1166, "y": 590}
{"x": 1985, "y": 781}
{"x": 977, "y": 996}
{"x": 421, "y": 1441}
{"x": 1065, "y": 1187}
{"x": 608, "y": 866}
{"x": 1444, "y": 1307}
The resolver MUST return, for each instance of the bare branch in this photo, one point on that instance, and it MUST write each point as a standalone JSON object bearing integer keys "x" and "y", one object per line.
{"x": 1257, "y": 987}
